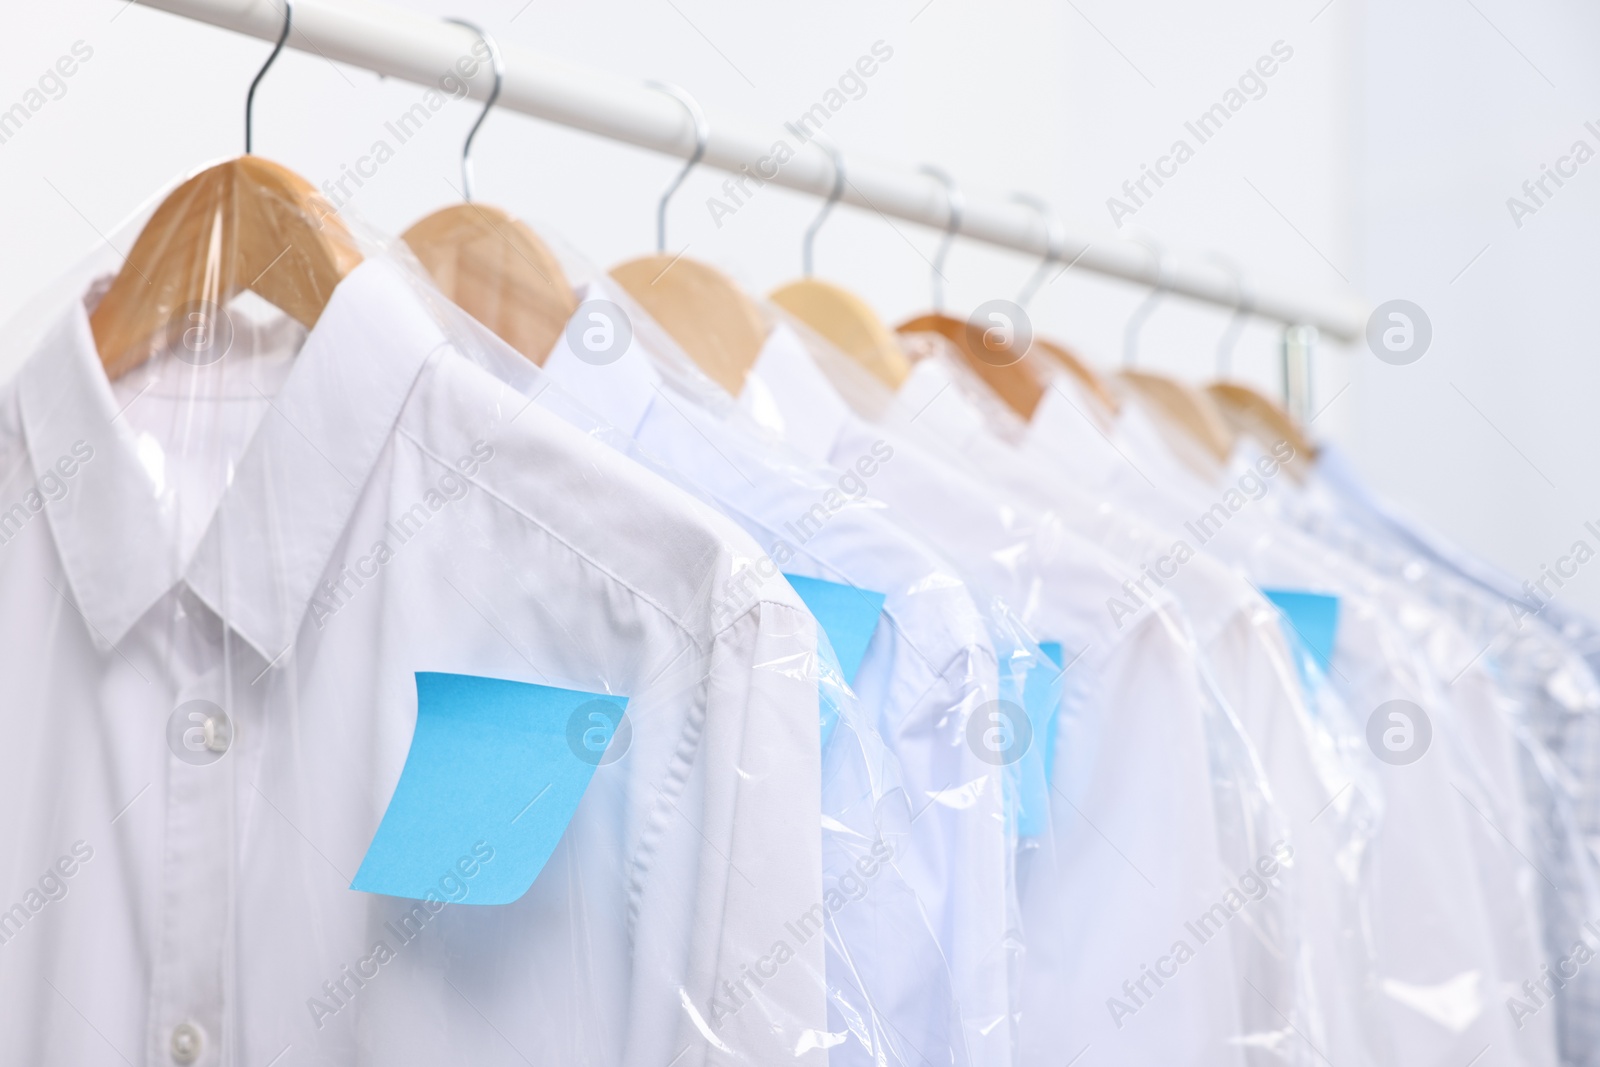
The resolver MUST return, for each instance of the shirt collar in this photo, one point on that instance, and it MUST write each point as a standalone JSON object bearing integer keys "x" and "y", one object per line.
{"x": 617, "y": 381}
{"x": 932, "y": 397}
{"x": 1066, "y": 431}
{"x": 788, "y": 394}
{"x": 785, "y": 393}
{"x": 291, "y": 495}
{"x": 110, "y": 528}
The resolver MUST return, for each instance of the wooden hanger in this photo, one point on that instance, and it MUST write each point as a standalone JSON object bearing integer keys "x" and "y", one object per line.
{"x": 837, "y": 314}
{"x": 849, "y": 323}
{"x": 1005, "y": 372}
{"x": 702, "y": 309}
{"x": 1252, "y": 413}
{"x": 1180, "y": 407}
{"x": 1017, "y": 383}
{"x": 1093, "y": 384}
{"x": 497, "y": 270}
{"x": 709, "y": 316}
{"x": 1248, "y": 411}
{"x": 244, "y": 224}
{"x": 491, "y": 265}
{"x": 1187, "y": 416}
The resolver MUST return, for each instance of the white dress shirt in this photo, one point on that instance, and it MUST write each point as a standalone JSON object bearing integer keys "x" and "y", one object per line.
{"x": 1439, "y": 971}
{"x": 212, "y": 533}
{"x": 1444, "y": 966}
{"x": 929, "y": 667}
{"x": 1141, "y": 828}
{"x": 1538, "y": 663}
{"x": 1302, "y": 729}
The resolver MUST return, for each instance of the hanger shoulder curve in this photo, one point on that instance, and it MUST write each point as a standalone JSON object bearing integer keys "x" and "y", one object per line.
{"x": 247, "y": 223}
{"x": 1015, "y": 382}
{"x": 1254, "y": 414}
{"x": 495, "y": 268}
{"x": 1184, "y": 408}
{"x": 1081, "y": 372}
{"x": 709, "y": 316}
{"x": 849, "y": 323}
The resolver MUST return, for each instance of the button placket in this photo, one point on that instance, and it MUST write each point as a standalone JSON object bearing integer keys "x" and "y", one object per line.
{"x": 187, "y": 1043}
{"x": 189, "y": 981}
{"x": 195, "y": 900}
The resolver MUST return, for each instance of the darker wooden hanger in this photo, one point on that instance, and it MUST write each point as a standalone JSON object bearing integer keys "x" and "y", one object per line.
{"x": 1098, "y": 391}
{"x": 989, "y": 355}
{"x": 1014, "y": 379}
{"x": 1247, "y": 410}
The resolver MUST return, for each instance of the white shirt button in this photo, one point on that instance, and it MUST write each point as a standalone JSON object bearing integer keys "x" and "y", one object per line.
{"x": 186, "y": 1042}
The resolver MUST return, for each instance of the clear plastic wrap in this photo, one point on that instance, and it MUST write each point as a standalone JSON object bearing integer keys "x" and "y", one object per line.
{"x": 1553, "y": 707}
{"x": 1441, "y": 969}
{"x": 1313, "y": 752}
{"x": 366, "y": 712}
{"x": 1146, "y": 755}
{"x": 1479, "y": 771}
{"x": 394, "y": 699}
{"x": 931, "y": 668}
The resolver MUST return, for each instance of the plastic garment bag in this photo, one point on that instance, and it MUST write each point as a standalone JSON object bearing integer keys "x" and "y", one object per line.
{"x": 1439, "y": 969}
{"x": 1145, "y": 757}
{"x": 919, "y": 955}
{"x": 1554, "y": 708}
{"x": 367, "y": 714}
{"x": 1392, "y": 647}
{"x": 1312, "y": 751}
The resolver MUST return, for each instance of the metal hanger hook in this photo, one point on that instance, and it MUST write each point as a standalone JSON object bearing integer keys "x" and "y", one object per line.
{"x": 499, "y": 68}
{"x": 833, "y": 198}
{"x": 1142, "y": 313}
{"x": 1053, "y": 240}
{"x": 250, "y": 97}
{"x": 955, "y": 205}
{"x": 702, "y": 136}
{"x": 1241, "y": 312}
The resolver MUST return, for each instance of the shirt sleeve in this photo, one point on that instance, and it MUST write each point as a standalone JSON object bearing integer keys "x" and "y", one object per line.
{"x": 754, "y": 989}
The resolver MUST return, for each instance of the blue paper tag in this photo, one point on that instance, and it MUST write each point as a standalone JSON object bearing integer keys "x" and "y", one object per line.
{"x": 846, "y": 614}
{"x": 1041, "y": 699}
{"x": 1310, "y": 620}
{"x": 494, "y": 775}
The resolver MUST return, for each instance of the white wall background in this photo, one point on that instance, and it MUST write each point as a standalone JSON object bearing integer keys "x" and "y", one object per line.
{"x": 1378, "y": 161}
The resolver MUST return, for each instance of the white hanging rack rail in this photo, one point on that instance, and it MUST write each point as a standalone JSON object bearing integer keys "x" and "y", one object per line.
{"x": 420, "y": 49}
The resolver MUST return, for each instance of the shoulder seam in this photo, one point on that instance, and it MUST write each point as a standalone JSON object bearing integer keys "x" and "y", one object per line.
{"x": 574, "y": 549}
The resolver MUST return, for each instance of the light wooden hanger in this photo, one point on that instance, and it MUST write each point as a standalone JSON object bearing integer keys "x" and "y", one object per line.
{"x": 1180, "y": 407}
{"x": 1254, "y": 414}
{"x": 999, "y": 365}
{"x": 1188, "y": 415}
{"x": 244, "y": 224}
{"x": 702, "y": 309}
{"x": 1247, "y": 410}
{"x": 838, "y": 314}
{"x": 492, "y": 265}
